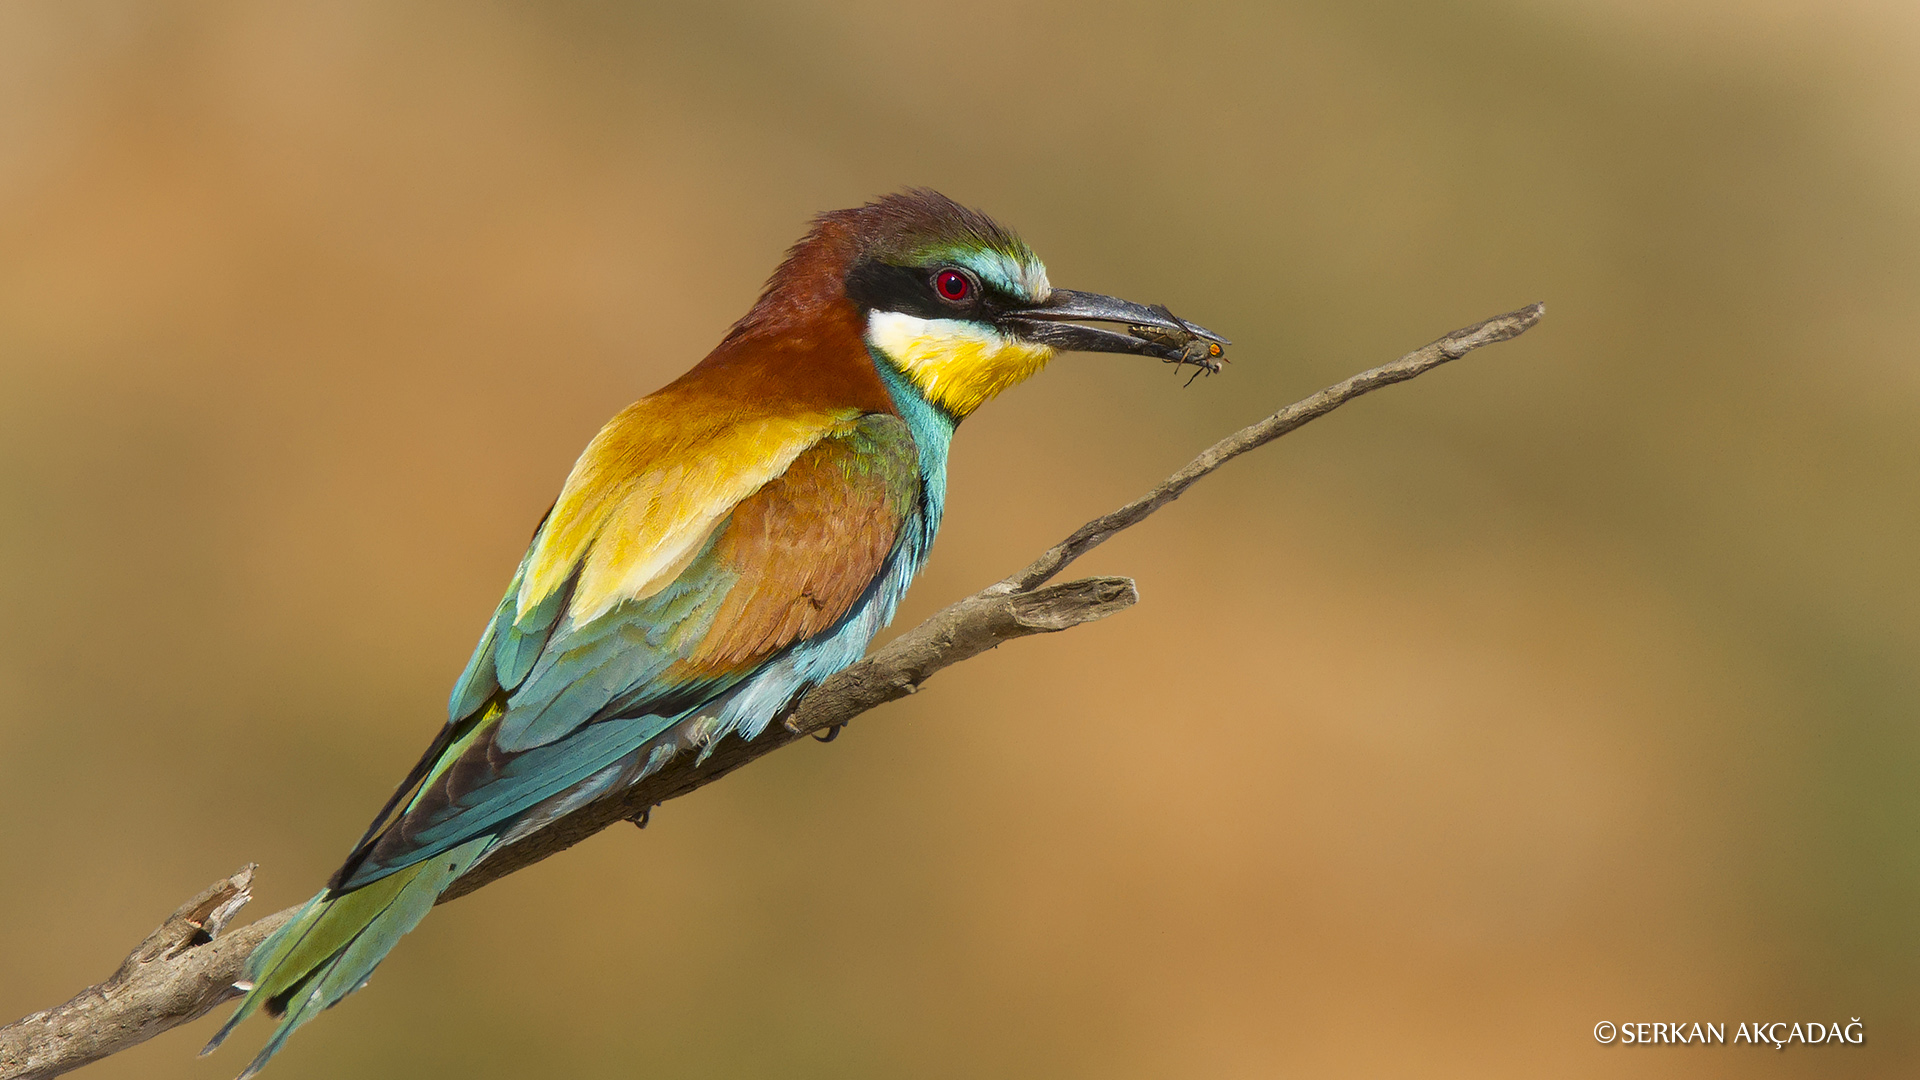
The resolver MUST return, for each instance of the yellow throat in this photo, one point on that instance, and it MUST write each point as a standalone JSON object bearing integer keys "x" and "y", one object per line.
{"x": 958, "y": 365}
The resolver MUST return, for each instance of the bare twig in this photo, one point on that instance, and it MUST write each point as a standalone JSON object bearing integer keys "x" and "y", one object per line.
{"x": 1418, "y": 362}
{"x": 186, "y": 968}
{"x": 182, "y": 970}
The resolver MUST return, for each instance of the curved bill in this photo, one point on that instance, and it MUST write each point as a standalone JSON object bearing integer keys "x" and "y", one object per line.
{"x": 1152, "y": 330}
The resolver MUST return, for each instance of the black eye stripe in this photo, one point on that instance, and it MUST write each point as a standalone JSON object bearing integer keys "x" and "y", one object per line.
{"x": 913, "y": 290}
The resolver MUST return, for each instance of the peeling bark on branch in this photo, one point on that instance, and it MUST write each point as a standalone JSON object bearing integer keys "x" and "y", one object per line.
{"x": 186, "y": 967}
{"x": 181, "y": 971}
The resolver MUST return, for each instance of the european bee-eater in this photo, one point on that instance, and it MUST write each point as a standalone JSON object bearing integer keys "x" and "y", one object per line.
{"x": 721, "y": 546}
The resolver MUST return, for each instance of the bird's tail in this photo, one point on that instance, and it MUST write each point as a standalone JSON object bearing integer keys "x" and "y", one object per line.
{"x": 330, "y": 948}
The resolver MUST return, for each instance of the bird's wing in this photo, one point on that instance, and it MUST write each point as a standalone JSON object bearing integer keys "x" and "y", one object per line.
{"x": 635, "y": 607}
{"x": 644, "y": 497}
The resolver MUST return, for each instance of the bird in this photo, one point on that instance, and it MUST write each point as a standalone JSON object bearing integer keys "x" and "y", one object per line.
{"x": 721, "y": 546}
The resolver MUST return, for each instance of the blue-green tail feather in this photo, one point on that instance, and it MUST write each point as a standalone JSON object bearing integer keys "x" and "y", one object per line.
{"x": 329, "y": 949}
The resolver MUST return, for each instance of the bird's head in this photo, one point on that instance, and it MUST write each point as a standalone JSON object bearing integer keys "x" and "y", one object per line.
{"x": 956, "y": 303}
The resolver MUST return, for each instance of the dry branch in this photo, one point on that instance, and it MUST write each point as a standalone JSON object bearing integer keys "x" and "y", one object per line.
{"x": 180, "y": 972}
{"x": 185, "y": 967}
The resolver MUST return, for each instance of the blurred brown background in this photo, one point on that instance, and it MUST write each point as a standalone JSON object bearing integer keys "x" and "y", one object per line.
{"x": 1573, "y": 682}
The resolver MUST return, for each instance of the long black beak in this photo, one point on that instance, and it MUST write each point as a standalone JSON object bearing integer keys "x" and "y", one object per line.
{"x": 1151, "y": 331}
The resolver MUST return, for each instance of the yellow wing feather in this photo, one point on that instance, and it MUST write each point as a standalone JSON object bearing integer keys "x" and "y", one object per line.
{"x": 649, "y": 490}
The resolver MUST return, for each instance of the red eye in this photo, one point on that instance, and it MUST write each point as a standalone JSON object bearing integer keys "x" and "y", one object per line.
{"x": 952, "y": 285}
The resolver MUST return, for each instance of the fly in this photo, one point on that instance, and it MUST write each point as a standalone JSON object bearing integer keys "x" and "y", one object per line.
{"x": 1188, "y": 347}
